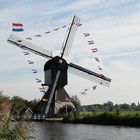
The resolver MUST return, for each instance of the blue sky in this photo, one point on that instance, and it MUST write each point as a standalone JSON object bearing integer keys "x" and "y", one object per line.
{"x": 113, "y": 25}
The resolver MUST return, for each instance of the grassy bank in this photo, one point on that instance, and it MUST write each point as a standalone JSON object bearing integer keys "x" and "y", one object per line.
{"x": 126, "y": 118}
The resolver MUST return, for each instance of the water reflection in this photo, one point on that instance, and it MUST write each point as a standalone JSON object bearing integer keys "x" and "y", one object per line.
{"x": 61, "y": 131}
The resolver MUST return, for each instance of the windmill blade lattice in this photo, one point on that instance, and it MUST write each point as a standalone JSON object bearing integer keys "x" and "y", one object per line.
{"x": 25, "y": 45}
{"x": 89, "y": 75}
{"x": 55, "y": 69}
{"x": 70, "y": 36}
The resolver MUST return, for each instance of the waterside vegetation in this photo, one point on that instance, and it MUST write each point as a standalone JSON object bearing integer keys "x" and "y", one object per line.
{"x": 106, "y": 118}
{"x": 10, "y": 129}
{"x": 106, "y": 114}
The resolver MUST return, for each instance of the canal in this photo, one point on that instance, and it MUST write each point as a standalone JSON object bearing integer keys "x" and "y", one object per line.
{"x": 62, "y": 131}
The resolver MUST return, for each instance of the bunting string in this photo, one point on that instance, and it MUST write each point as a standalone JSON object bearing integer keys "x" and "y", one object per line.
{"x": 90, "y": 42}
{"x": 47, "y": 32}
{"x": 26, "y": 53}
{"x": 87, "y": 89}
{"x": 34, "y": 71}
{"x": 93, "y": 49}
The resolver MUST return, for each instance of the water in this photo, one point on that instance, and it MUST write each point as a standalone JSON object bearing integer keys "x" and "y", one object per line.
{"x": 61, "y": 131}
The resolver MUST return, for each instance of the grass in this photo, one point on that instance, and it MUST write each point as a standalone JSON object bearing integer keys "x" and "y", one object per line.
{"x": 127, "y": 118}
{"x": 122, "y": 113}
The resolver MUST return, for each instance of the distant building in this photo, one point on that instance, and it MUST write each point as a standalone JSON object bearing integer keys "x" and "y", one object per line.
{"x": 26, "y": 114}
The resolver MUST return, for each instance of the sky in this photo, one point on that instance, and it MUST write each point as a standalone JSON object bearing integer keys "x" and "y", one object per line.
{"x": 114, "y": 25}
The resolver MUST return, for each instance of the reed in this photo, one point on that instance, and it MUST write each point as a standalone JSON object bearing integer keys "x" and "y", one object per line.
{"x": 9, "y": 128}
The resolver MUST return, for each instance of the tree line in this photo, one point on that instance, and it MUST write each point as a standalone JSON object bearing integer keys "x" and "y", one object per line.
{"x": 18, "y": 103}
{"x": 110, "y": 106}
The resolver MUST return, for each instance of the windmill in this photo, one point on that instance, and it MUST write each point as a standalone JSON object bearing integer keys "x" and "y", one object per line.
{"x": 56, "y": 68}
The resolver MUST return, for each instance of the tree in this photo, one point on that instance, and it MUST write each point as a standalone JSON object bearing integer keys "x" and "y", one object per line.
{"x": 109, "y": 105}
{"x": 67, "y": 109}
{"x": 19, "y": 103}
{"x": 125, "y": 106}
{"x": 33, "y": 104}
{"x": 133, "y": 106}
{"x": 75, "y": 100}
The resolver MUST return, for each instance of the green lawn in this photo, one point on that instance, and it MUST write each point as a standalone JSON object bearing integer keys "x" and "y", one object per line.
{"x": 122, "y": 113}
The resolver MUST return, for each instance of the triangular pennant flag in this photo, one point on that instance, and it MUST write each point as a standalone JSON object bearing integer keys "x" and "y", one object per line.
{"x": 19, "y": 41}
{"x": 94, "y": 87}
{"x": 90, "y": 42}
{"x": 64, "y": 26}
{"x": 86, "y": 89}
{"x": 94, "y": 50}
{"x": 26, "y": 53}
{"x": 28, "y": 38}
{"x": 47, "y": 32}
{"x": 83, "y": 93}
{"x": 42, "y": 89}
{"x": 38, "y": 80}
{"x": 30, "y": 62}
{"x": 79, "y": 24}
{"x": 56, "y": 29}
{"x": 86, "y": 34}
{"x": 97, "y": 59}
{"x": 34, "y": 70}
{"x": 37, "y": 35}
{"x": 99, "y": 68}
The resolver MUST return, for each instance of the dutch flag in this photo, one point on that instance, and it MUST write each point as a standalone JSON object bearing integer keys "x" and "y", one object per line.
{"x": 94, "y": 50}
{"x": 18, "y": 27}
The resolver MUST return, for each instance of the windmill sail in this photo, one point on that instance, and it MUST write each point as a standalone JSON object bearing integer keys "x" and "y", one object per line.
{"x": 56, "y": 69}
{"x": 29, "y": 46}
{"x": 89, "y": 75}
{"x": 70, "y": 36}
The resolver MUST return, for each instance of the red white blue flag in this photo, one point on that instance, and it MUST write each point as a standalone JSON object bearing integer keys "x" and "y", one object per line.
{"x": 18, "y": 27}
{"x": 94, "y": 50}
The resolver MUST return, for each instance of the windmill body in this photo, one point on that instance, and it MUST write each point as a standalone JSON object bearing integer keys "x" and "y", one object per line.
{"x": 50, "y": 69}
{"x": 56, "y": 69}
